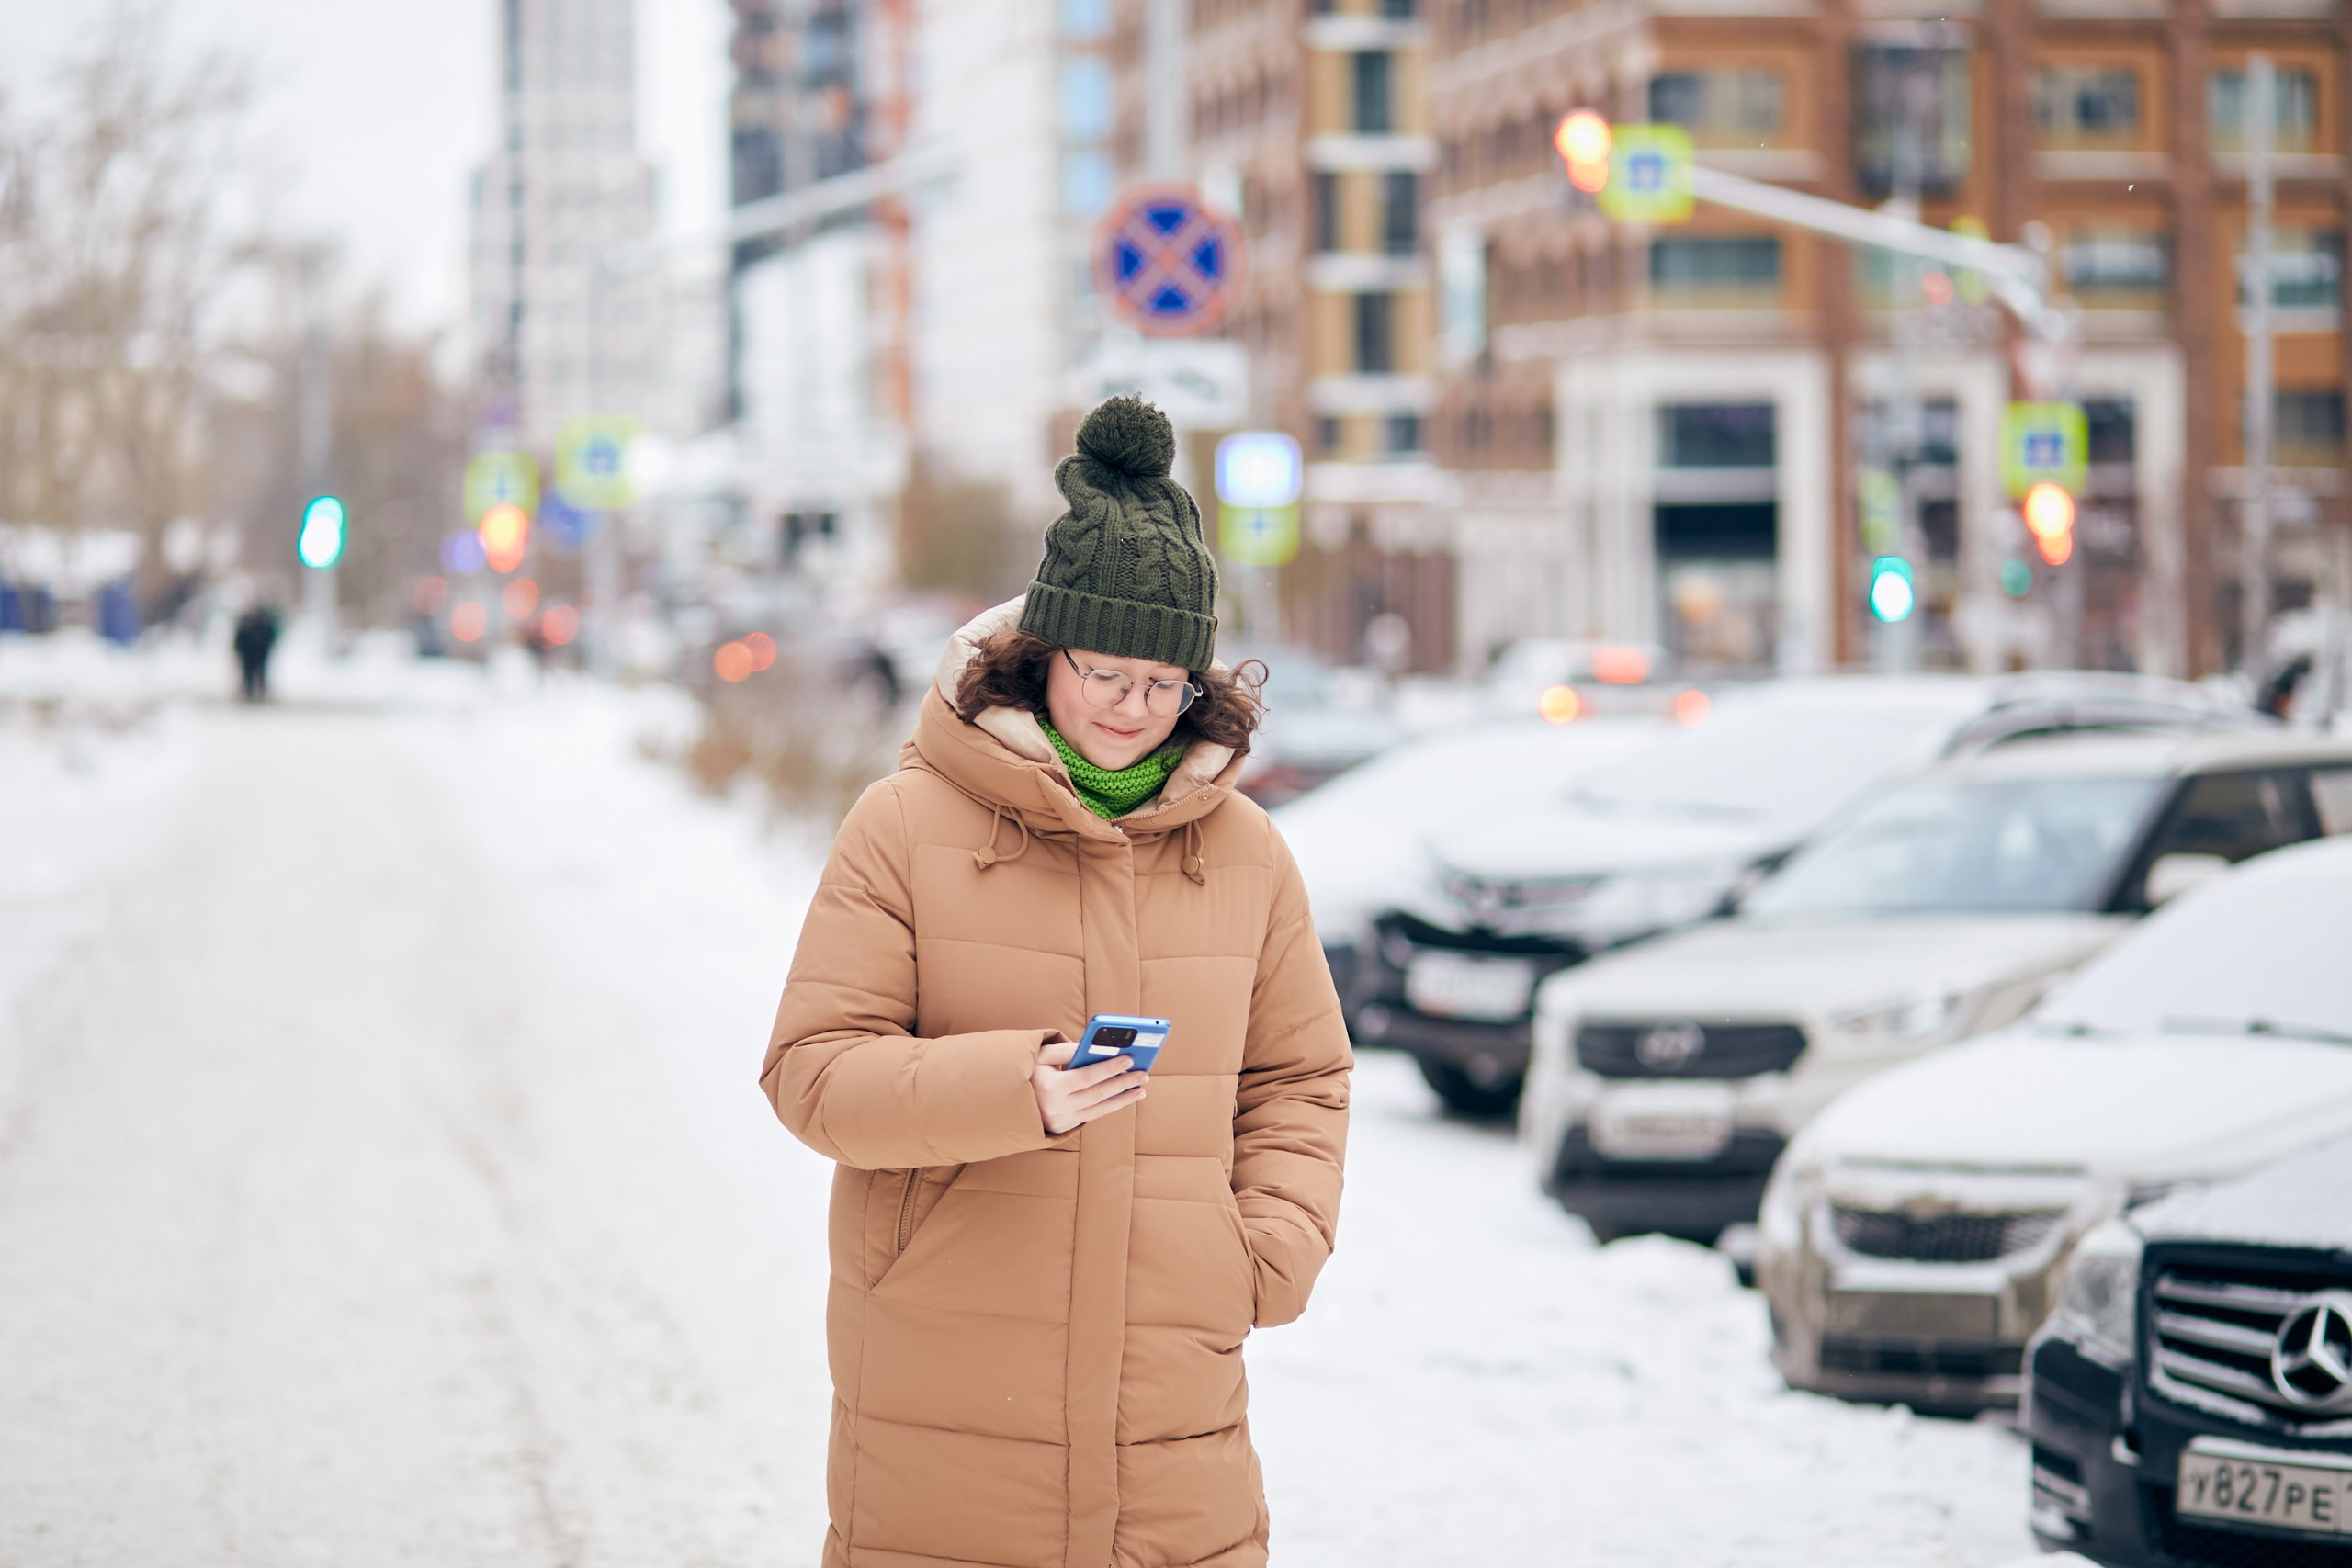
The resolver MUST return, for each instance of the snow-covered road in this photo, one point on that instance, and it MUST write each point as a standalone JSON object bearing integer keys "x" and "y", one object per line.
{"x": 384, "y": 1181}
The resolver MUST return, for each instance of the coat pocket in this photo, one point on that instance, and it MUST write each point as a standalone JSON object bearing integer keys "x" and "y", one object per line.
{"x": 1245, "y": 1260}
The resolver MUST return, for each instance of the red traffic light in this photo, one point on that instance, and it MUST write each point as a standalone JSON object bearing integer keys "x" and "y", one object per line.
{"x": 1583, "y": 140}
{"x": 2050, "y": 515}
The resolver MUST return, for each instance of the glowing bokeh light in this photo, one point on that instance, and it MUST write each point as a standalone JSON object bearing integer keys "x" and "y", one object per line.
{"x": 522, "y": 597}
{"x": 560, "y": 624}
{"x": 1584, "y": 139}
{"x": 469, "y": 621}
{"x": 1692, "y": 706}
{"x": 462, "y": 555}
{"x": 1891, "y": 594}
{"x": 505, "y": 534}
{"x": 732, "y": 662}
{"x": 763, "y": 649}
{"x": 1558, "y": 705}
{"x": 1621, "y": 666}
{"x": 320, "y": 545}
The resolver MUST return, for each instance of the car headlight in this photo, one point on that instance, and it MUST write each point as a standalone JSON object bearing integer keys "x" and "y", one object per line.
{"x": 1903, "y": 1021}
{"x": 2102, "y": 1289}
{"x": 1794, "y": 1188}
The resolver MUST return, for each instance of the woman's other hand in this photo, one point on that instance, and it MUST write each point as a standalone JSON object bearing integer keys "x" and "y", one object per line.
{"x": 1069, "y": 1098}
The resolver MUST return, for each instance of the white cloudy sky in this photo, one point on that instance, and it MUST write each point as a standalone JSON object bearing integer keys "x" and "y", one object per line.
{"x": 376, "y": 112}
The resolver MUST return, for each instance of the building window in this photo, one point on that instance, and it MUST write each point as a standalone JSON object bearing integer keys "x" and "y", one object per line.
{"x": 1088, "y": 184}
{"x": 1404, "y": 434}
{"x": 2083, "y": 107}
{"x": 1719, "y": 107}
{"x": 1327, "y": 434}
{"x": 2112, "y": 426}
{"x": 1401, "y": 216}
{"x": 1911, "y": 118}
{"x": 1326, "y": 211}
{"x": 2307, "y": 428}
{"x": 1398, "y": 10}
{"x": 2116, "y": 268}
{"x": 1715, "y": 435}
{"x": 2294, "y": 102}
{"x": 1085, "y": 98}
{"x": 2306, "y": 270}
{"x": 1373, "y": 70}
{"x": 1734, "y": 269}
{"x": 1375, "y": 333}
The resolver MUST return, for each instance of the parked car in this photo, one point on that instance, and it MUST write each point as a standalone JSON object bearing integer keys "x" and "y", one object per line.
{"x": 2190, "y": 1400}
{"x": 1316, "y": 727}
{"x": 1601, "y": 678}
{"x": 1359, "y": 837}
{"x": 1668, "y": 1078}
{"x": 1663, "y": 837}
{"x": 1914, "y": 1237}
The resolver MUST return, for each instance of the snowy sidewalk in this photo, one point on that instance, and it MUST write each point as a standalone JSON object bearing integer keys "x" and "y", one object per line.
{"x": 388, "y": 1183}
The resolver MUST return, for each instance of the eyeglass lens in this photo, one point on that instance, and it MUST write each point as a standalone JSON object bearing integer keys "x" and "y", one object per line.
{"x": 1109, "y": 688}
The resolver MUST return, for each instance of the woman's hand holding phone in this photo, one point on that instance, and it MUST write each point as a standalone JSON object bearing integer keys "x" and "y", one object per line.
{"x": 1069, "y": 1099}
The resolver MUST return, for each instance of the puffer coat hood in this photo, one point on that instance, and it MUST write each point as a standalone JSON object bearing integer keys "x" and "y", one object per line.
{"x": 1035, "y": 1340}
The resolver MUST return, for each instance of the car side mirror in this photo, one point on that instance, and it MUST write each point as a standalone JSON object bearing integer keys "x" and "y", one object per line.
{"x": 2174, "y": 875}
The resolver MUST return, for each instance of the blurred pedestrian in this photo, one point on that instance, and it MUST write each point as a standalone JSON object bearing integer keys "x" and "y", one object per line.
{"x": 257, "y": 635}
{"x": 1041, "y": 1286}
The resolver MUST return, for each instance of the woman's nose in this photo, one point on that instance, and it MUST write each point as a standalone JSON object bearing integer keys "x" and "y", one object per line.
{"x": 1137, "y": 703}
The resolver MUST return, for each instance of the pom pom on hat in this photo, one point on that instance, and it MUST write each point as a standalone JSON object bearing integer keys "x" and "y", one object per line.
{"x": 1130, "y": 435}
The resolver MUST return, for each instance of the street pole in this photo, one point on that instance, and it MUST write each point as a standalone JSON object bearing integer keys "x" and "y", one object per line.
{"x": 604, "y": 585}
{"x": 314, "y": 415}
{"x": 2254, "y": 571}
{"x": 1166, "y": 94}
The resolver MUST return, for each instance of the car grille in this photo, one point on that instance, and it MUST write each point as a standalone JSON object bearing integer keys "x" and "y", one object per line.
{"x": 2186, "y": 1543}
{"x": 2212, "y": 1326}
{"x": 1676, "y": 1048}
{"x": 1943, "y": 1239}
{"x": 1920, "y": 1358}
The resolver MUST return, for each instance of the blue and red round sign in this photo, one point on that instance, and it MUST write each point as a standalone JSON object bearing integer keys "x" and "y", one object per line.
{"x": 1168, "y": 265}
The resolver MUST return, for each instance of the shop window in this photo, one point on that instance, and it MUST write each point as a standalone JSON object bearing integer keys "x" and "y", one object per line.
{"x": 2086, "y": 106}
{"x": 2294, "y": 101}
{"x": 1715, "y": 435}
{"x": 1911, "y": 119}
{"x": 1724, "y": 269}
{"x": 1720, "y": 108}
{"x": 2116, "y": 268}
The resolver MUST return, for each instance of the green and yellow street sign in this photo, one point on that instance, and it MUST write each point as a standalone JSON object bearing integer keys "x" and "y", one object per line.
{"x": 1257, "y": 535}
{"x": 1649, "y": 175}
{"x": 501, "y": 478}
{"x": 591, "y": 462}
{"x": 2044, "y": 444}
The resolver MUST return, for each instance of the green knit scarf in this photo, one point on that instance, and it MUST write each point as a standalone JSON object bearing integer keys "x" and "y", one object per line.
{"x": 1109, "y": 793}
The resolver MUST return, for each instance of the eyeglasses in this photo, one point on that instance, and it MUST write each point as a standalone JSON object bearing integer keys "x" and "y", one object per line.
{"x": 1109, "y": 688}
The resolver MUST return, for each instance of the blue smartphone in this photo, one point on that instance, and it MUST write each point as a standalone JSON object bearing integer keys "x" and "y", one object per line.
{"x": 1109, "y": 1034}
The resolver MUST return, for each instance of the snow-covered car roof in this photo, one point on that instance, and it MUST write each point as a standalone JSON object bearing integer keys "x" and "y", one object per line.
{"x": 2151, "y": 753}
{"x": 2304, "y": 1200}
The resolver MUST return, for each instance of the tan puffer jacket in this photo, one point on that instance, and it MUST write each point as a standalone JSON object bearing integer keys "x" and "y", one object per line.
{"x": 1036, "y": 1341}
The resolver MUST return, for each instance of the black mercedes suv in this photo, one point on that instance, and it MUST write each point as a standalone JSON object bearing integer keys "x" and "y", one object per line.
{"x": 2190, "y": 1401}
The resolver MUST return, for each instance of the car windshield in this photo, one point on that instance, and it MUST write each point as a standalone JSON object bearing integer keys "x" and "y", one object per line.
{"x": 1764, "y": 756}
{"x": 1950, "y": 845}
{"x": 2258, "y": 953}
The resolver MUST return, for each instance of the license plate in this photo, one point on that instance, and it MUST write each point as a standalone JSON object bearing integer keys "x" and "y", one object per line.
{"x": 1682, "y": 1121}
{"x": 1449, "y": 985}
{"x": 2241, "y": 1485}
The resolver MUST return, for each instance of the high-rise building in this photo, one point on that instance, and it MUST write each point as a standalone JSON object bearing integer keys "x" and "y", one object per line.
{"x": 1308, "y": 120}
{"x": 1658, "y": 433}
{"x": 564, "y": 324}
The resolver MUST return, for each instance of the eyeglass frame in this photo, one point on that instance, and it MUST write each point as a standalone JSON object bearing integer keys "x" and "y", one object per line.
{"x": 1192, "y": 690}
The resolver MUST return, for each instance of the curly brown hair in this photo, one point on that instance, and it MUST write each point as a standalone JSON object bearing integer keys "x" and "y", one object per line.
{"x": 1008, "y": 671}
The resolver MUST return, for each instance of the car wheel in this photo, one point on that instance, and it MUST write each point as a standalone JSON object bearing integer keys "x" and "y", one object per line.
{"x": 1464, "y": 1094}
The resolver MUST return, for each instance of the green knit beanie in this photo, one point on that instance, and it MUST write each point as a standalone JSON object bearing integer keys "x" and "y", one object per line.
{"x": 1126, "y": 571}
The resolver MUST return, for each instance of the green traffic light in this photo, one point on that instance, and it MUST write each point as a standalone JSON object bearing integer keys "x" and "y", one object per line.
{"x": 1891, "y": 593}
{"x": 320, "y": 545}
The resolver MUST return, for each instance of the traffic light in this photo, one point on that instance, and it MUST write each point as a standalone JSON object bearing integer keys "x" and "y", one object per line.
{"x": 1584, "y": 139}
{"x": 1892, "y": 593}
{"x": 320, "y": 544}
{"x": 505, "y": 533}
{"x": 2050, "y": 513}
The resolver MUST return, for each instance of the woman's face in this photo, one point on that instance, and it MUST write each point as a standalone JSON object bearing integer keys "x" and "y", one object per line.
{"x": 1111, "y": 738}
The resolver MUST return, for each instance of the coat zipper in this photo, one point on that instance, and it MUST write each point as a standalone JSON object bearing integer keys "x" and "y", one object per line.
{"x": 907, "y": 1210}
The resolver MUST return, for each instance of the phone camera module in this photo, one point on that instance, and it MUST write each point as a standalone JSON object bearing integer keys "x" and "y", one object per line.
{"x": 1117, "y": 1039}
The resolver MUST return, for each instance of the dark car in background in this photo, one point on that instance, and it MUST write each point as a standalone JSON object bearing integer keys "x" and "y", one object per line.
{"x": 2190, "y": 1401}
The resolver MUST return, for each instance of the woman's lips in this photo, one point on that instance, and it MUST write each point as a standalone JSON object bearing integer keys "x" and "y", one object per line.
{"x": 1122, "y": 734}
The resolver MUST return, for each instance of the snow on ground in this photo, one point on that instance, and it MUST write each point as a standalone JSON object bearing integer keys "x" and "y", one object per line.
{"x": 390, "y": 1183}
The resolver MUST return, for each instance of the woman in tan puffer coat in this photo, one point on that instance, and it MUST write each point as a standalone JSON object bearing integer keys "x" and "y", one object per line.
{"x": 1041, "y": 1279}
